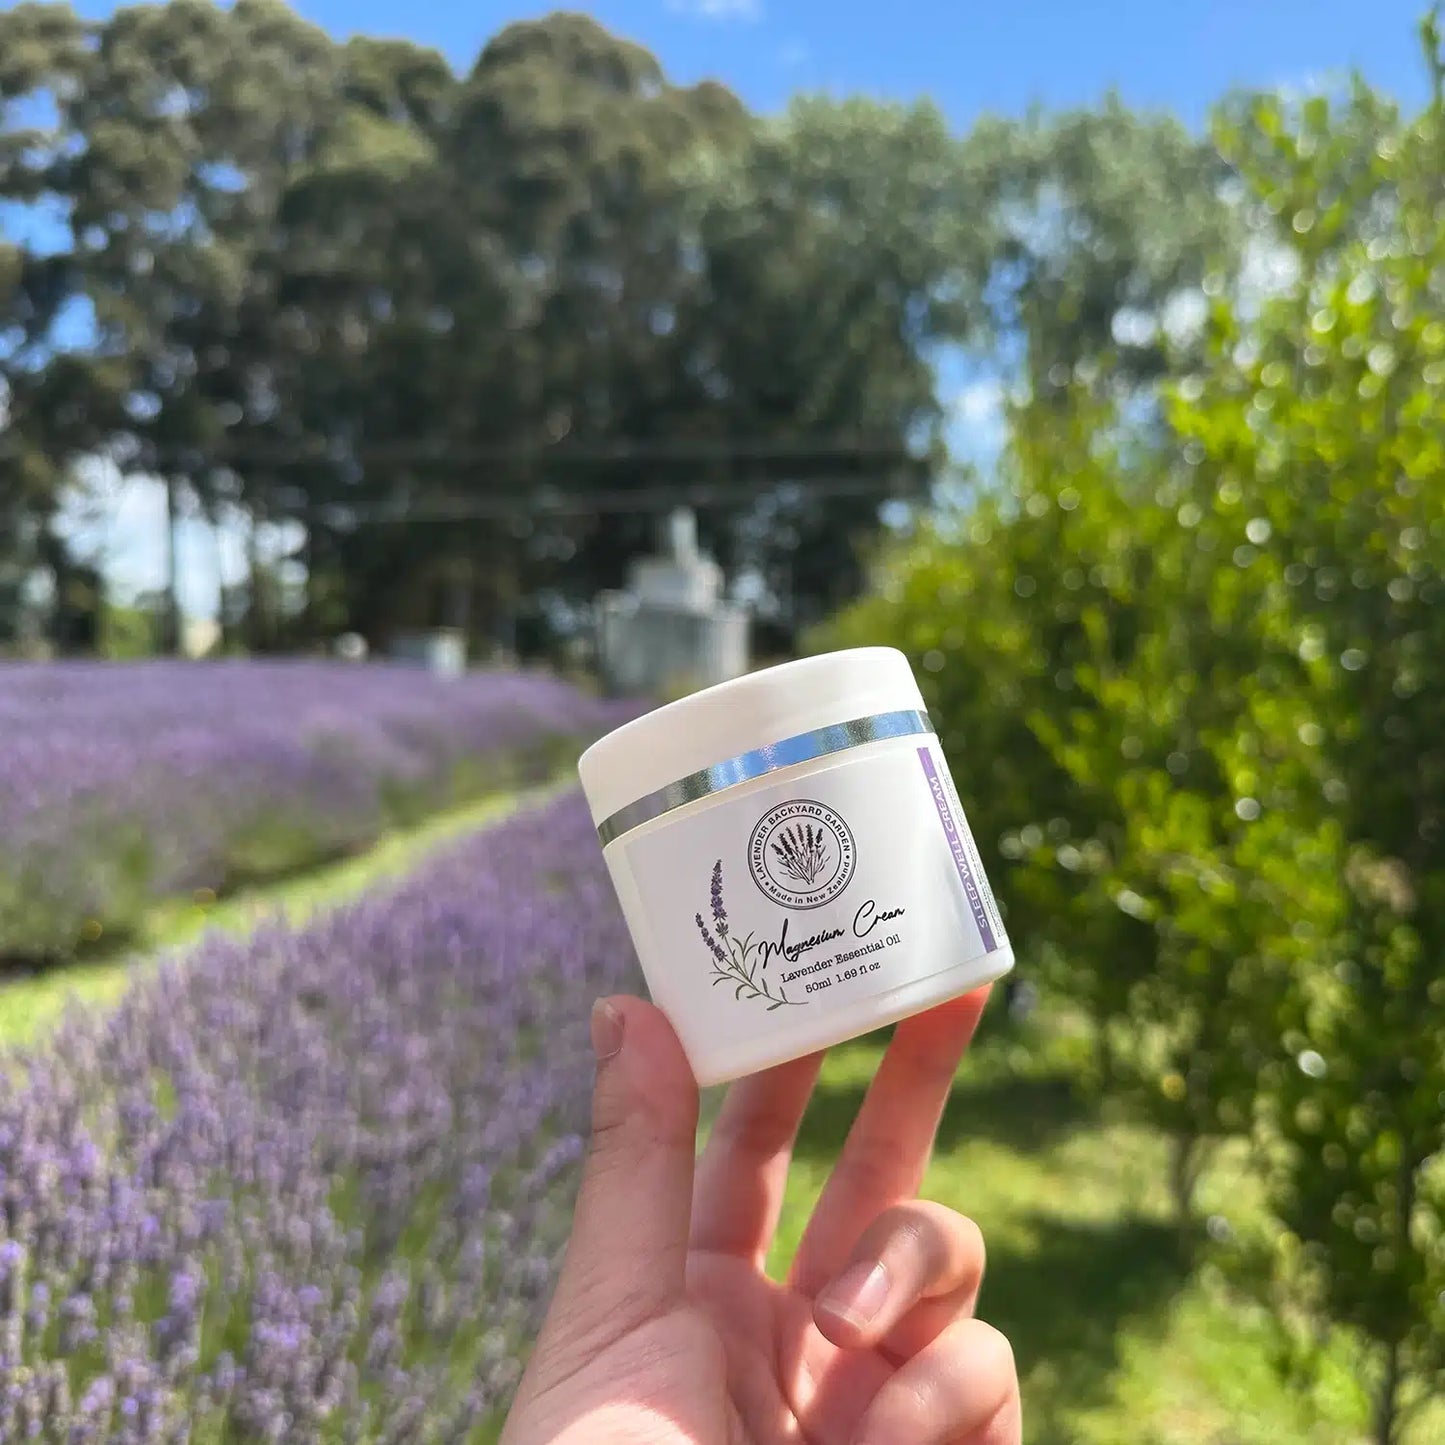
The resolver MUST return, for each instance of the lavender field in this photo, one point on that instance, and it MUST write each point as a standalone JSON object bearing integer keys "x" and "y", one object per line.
{"x": 311, "y": 1187}
{"x": 120, "y": 784}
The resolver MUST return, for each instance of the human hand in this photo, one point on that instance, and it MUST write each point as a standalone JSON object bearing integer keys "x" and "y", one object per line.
{"x": 665, "y": 1329}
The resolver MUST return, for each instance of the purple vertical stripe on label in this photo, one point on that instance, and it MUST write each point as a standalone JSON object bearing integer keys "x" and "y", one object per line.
{"x": 957, "y": 848}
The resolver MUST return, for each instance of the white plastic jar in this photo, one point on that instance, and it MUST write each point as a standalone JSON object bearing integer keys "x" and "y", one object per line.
{"x": 792, "y": 860}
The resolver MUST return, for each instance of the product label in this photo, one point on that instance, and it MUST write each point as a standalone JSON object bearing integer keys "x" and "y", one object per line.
{"x": 845, "y": 881}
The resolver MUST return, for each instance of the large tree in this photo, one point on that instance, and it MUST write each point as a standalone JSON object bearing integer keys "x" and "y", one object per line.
{"x": 58, "y": 399}
{"x": 1109, "y": 222}
{"x": 470, "y": 334}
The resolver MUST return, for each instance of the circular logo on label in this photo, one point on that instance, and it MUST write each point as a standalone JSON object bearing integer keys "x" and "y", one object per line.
{"x": 801, "y": 854}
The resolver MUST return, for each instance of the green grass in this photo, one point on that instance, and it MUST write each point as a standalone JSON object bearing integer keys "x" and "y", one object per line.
{"x": 29, "y": 1004}
{"x": 1124, "y": 1332}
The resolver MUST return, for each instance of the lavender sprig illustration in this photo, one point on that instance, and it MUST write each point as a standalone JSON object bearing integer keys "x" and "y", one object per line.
{"x": 734, "y": 959}
{"x": 802, "y": 853}
{"x": 713, "y": 946}
{"x": 719, "y": 913}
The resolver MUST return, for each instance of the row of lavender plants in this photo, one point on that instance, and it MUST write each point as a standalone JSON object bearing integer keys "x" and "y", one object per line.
{"x": 123, "y": 783}
{"x": 312, "y": 1187}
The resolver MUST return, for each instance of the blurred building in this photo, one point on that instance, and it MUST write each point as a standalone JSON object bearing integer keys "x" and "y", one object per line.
{"x": 200, "y": 636}
{"x": 671, "y": 630}
{"x": 442, "y": 650}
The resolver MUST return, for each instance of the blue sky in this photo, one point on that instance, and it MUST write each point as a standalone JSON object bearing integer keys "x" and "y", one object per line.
{"x": 970, "y": 57}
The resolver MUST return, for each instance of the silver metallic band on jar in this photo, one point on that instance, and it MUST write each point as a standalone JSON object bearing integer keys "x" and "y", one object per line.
{"x": 759, "y": 762}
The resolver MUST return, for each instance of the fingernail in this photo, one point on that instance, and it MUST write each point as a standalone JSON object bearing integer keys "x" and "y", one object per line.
{"x": 606, "y": 1030}
{"x": 857, "y": 1294}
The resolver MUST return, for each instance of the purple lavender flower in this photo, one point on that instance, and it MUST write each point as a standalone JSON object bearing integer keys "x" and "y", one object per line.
{"x": 121, "y": 783}
{"x": 312, "y": 1186}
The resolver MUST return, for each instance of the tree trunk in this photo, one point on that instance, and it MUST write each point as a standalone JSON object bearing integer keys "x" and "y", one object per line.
{"x": 1103, "y": 1050}
{"x": 1186, "y": 1157}
{"x": 1387, "y": 1399}
{"x": 171, "y": 610}
{"x": 223, "y": 626}
{"x": 1387, "y": 1423}
{"x": 255, "y": 607}
{"x": 459, "y": 597}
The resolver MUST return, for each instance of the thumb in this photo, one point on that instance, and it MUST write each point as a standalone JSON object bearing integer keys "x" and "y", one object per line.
{"x": 627, "y": 1256}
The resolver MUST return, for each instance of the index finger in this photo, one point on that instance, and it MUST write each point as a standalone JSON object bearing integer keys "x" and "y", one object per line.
{"x": 743, "y": 1172}
{"x": 891, "y": 1141}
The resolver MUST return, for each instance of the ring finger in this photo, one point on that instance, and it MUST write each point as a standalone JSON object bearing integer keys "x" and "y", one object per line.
{"x": 888, "y": 1147}
{"x": 916, "y": 1269}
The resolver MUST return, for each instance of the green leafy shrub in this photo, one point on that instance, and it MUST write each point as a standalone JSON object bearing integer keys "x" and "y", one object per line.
{"x": 1188, "y": 661}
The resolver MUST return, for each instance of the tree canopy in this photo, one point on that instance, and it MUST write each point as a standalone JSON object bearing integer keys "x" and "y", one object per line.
{"x": 471, "y": 332}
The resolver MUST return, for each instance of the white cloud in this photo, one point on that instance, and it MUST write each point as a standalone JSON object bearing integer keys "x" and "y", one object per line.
{"x": 1270, "y": 268}
{"x": 1133, "y": 326}
{"x": 1296, "y": 89}
{"x": 119, "y": 524}
{"x": 719, "y": 9}
{"x": 976, "y": 427}
{"x": 1184, "y": 315}
{"x": 980, "y": 402}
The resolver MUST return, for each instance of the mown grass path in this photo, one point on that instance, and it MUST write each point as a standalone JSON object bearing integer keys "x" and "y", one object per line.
{"x": 30, "y": 1003}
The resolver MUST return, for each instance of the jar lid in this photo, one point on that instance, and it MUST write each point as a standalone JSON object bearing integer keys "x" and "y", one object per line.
{"x": 757, "y": 711}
